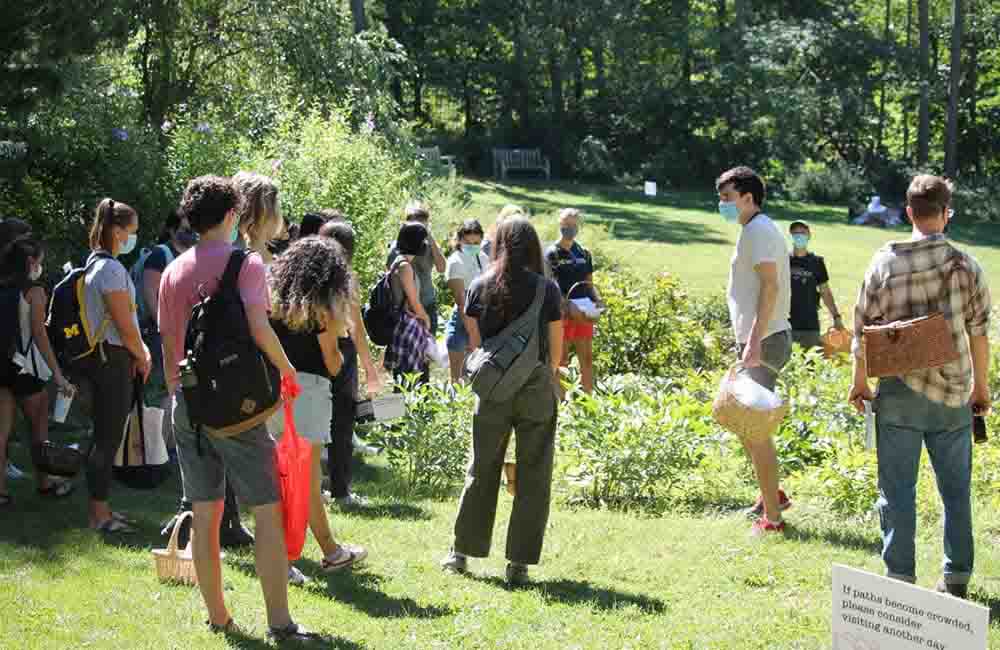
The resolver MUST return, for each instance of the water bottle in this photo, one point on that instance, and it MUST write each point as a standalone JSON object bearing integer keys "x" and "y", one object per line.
{"x": 869, "y": 426}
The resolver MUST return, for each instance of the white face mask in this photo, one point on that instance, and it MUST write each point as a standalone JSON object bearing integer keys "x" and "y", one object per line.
{"x": 35, "y": 273}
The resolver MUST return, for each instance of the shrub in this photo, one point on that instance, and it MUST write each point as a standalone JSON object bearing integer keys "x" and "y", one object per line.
{"x": 828, "y": 183}
{"x": 649, "y": 329}
{"x": 633, "y": 443}
{"x": 593, "y": 160}
{"x": 429, "y": 449}
{"x": 975, "y": 200}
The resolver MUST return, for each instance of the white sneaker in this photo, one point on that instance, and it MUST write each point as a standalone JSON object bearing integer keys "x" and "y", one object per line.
{"x": 13, "y": 473}
{"x": 296, "y": 577}
{"x": 352, "y": 501}
{"x": 364, "y": 449}
{"x": 327, "y": 497}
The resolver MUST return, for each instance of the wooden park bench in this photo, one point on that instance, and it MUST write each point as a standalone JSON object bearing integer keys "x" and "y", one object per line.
{"x": 505, "y": 160}
{"x": 433, "y": 156}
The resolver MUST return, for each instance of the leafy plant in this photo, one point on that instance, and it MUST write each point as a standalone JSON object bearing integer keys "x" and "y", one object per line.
{"x": 828, "y": 183}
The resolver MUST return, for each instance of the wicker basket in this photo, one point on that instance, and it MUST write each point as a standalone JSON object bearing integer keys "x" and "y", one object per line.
{"x": 173, "y": 564}
{"x": 836, "y": 342}
{"x": 902, "y": 347}
{"x": 747, "y": 423}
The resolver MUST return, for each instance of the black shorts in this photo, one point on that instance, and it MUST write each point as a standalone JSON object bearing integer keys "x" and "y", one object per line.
{"x": 20, "y": 384}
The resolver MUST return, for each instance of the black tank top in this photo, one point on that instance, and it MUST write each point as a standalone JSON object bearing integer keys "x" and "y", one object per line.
{"x": 302, "y": 348}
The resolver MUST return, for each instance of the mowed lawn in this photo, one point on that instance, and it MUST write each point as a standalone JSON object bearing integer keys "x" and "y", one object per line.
{"x": 682, "y": 232}
{"x": 608, "y": 580}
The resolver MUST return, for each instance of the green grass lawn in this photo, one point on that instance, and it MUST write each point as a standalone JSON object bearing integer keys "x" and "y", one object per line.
{"x": 608, "y": 580}
{"x": 682, "y": 233}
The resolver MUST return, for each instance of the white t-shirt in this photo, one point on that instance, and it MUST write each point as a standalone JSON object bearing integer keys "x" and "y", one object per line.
{"x": 463, "y": 267}
{"x": 759, "y": 241}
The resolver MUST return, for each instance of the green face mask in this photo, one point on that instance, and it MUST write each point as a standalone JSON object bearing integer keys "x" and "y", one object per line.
{"x": 472, "y": 250}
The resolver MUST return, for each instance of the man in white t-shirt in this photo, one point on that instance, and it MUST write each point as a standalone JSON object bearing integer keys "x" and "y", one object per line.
{"x": 759, "y": 297}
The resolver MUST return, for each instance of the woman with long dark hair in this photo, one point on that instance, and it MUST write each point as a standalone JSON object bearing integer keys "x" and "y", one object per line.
{"x": 495, "y": 299}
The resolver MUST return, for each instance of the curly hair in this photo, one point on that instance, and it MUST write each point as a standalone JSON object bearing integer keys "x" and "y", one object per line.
{"x": 260, "y": 206}
{"x": 206, "y": 202}
{"x": 311, "y": 285}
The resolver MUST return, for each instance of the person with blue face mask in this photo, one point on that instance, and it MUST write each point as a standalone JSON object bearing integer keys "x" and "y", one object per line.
{"x": 759, "y": 297}
{"x": 108, "y": 375}
{"x": 466, "y": 263}
{"x": 810, "y": 282}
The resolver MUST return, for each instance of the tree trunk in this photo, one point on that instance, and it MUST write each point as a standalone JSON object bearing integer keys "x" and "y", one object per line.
{"x": 880, "y": 139}
{"x": 600, "y": 71}
{"x": 973, "y": 95}
{"x": 681, "y": 15}
{"x": 924, "y": 126}
{"x": 906, "y": 95}
{"x": 722, "y": 18}
{"x": 558, "y": 126}
{"x": 358, "y": 11}
{"x": 394, "y": 25}
{"x": 955, "y": 89}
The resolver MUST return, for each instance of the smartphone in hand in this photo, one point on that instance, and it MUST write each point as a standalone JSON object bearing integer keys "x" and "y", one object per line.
{"x": 979, "y": 434}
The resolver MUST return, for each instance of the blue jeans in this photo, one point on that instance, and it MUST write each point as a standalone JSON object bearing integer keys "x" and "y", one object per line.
{"x": 905, "y": 421}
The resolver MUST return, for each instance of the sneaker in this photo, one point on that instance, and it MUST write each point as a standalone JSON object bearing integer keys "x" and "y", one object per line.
{"x": 230, "y": 628}
{"x": 958, "y": 591}
{"x": 352, "y": 501}
{"x": 455, "y": 563}
{"x": 763, "y": 527}
{"x": 517, "y": 573}
{"x": 327, "y": 497}
{"x": 784, "y": 503}
{"x": 13, "y": 472}
{"x": 296, "y": 577}
{"x": 297, "y": 634}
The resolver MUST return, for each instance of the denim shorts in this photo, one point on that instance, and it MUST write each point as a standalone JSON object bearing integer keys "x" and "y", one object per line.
{"x": 455, "y": 335}
{"x": 313, "y": 410}
{"x": 247, "y": 459}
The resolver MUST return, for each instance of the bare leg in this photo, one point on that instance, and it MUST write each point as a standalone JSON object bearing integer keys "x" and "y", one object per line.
{"x": 585, "y": 353}
{"x": 6, "y": 426}
{"x": 207, "y": 515}
{"x": 36, "y": 409}
{"x": 319, "y": 522}
{"x": 272, "y": 562}
{"x": 455, "y": 361}
{"x": 765, "y": 461}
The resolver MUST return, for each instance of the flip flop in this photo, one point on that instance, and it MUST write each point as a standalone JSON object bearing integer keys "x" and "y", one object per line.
{"x": 57, "y": 490}
{"x": 345, "y": 557}
{"x": 123, "y": 518}
{"x": 115, "y": 527}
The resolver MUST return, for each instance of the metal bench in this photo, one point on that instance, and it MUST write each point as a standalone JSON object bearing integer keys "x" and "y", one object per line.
{"x": 505, "y": 160}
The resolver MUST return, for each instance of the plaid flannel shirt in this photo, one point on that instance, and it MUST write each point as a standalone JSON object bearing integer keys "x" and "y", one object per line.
{"x": 408, "y": 352}
{"x": 903, "y": 281}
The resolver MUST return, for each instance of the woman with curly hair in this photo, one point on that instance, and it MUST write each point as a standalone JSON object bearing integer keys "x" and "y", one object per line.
{"x": 310, "y": 300}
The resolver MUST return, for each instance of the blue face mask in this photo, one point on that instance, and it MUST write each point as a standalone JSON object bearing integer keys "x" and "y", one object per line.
{"x": 234, "y": 235}
{"x": 472, "y": 250}
{"x": 729, "y": 211}
{"x": 800, "y": 241}
{"x": 129, "y": 245}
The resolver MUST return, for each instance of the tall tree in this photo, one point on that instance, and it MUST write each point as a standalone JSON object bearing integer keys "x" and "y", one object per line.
{"x": 885, "y": 73}
{"x": 924, "y": 119}
{"x": 954, "y": 90}
{"x": 358, "y": 11}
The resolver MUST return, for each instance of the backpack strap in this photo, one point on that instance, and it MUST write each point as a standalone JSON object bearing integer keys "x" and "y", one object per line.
{"x": 231, "y": 276}
{"x": 102, "y": 329}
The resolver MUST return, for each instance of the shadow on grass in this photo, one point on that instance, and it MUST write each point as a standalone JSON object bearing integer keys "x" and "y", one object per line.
{"x": 396, "y": 510}
{"x": 848, "y": 539}
{"x": 247, "y": 642}
{"x": 576, "y": 592}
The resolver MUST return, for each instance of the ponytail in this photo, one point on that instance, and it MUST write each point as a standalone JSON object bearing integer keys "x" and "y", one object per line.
{"x": 109, "y": 214}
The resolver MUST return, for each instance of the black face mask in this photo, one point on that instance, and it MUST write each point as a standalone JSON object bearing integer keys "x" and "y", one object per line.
{"x": 278, "y": 246}
{"x": 186, "y": 237}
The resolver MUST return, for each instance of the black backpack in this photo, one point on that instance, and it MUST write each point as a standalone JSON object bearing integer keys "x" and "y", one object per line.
{"x": 381, "y": 314}
{"x": 229, "y": 385}
{"x": 71, "y": 334}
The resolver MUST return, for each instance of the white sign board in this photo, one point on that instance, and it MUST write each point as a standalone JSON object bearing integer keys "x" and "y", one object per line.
{"x": 871, "y": 612}
{"x": 650, "y": 188}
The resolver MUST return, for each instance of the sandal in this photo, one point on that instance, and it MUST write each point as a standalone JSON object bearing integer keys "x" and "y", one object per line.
{"x": 115, "y": 527}
{"x": 57, "y": 490}
{"x": 344, "y": 557}
{"x": 5, "y": 500}
{"x": 124, "y": 518}
{"x": 297, "y": 634}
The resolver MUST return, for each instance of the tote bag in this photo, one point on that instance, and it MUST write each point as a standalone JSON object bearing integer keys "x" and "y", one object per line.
{"x": 294, "y": 460}
{"x": 142, "y": 462}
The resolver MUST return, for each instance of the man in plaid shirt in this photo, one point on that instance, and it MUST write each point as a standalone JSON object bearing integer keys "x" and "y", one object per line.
{"x": 934, "y": 406}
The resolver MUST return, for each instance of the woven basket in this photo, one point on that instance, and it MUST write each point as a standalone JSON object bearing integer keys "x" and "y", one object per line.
{"x": 176, "y": 565}
{"x": 902, "y": 347}
{"x": 836, "y": 342}
{"x": 747, "y": 423}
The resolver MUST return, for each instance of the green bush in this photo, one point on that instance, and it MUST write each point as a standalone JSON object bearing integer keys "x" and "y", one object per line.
{"x": 828, "y": 183}
{"x": 593, "y": 160}
{"x": 649, "y": 328}
{"x": 429, "y": 449}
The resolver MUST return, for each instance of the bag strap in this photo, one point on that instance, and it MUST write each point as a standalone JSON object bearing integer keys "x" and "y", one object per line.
{"x": 231, "y": 276}
{"x": 530, "y": 315}
{"x": 139, "y": 402}
{"x": 102, "y": 329}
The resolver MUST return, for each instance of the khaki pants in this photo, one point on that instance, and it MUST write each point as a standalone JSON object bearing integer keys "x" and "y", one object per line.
{"x": 531, "y": 415}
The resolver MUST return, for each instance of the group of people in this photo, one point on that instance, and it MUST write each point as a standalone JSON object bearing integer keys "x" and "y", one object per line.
{"x": 926, "y": 406}
{"x": 302, "y": 309}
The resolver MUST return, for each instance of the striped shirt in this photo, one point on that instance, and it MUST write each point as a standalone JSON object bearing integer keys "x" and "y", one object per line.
{"x": 903, "y": 281}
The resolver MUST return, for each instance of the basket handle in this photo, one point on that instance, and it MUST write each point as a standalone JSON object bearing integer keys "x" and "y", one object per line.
{"x": 172, "y": 544}
{"x": 739, "y": 365}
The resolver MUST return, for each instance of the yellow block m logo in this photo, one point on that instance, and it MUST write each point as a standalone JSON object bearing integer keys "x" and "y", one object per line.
{"x": 70, "y": 332}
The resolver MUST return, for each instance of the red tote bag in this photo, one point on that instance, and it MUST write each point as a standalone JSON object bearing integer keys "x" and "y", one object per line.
{"x": 294, "y": 458}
